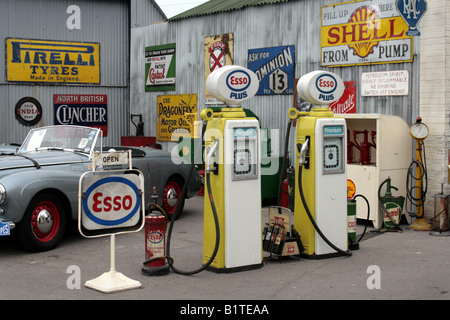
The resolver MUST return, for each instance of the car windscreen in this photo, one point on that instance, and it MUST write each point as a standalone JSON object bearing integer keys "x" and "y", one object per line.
{"x": 60, "y": 137}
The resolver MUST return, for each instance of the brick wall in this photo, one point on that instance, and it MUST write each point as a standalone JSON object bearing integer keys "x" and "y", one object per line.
{"x": 434, "y": 99}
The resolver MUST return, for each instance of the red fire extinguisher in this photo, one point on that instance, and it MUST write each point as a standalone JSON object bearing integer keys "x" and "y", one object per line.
{"x": 155, "y": 242}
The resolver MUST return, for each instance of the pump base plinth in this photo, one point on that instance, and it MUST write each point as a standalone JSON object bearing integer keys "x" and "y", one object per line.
{"x": 440, "y": 233}
{"x": 155, "y": 271}
{"x": 235, "y": 269}
{"x": 112, "y": 281}
{"x": 420, "y": 225}
{"x": 391, "y": 230}
{"x": 321, "y": 256}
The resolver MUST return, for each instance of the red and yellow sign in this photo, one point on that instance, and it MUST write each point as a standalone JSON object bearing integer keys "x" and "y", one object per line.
{"x": 362, "y": 32}
{"x": 351, "y": 189}
{"x": 52, "y": 61}
{"x": 218, "y": 53}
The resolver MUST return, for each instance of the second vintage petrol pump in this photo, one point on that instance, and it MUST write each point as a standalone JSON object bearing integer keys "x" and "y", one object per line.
{"x": 232, "y": 175}
{"x": 320, "y": 214}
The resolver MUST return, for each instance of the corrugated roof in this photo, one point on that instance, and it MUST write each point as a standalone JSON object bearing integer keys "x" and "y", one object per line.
{"x": 216, "y": 6}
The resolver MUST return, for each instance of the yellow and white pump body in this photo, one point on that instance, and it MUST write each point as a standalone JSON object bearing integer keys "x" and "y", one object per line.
{"x": 321, "y": 144}
{"x": 232, "y": 158}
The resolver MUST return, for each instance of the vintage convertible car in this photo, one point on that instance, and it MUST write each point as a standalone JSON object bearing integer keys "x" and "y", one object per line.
{"x": 8, "y": 148}
{"x": 39, "y": 183}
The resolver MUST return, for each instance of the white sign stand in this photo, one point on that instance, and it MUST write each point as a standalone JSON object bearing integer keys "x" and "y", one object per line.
{"x": 112, "y": 281}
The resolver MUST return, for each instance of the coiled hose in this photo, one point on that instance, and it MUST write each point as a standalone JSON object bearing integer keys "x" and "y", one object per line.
{"x": 216, "y": 221}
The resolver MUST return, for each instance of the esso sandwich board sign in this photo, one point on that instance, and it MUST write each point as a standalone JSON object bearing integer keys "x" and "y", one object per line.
{"x": 232, "y": 84}
{"x": 320, "y": 87}
{"x": 110, "y": 202}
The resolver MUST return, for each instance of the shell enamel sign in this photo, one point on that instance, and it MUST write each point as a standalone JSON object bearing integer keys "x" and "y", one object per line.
{"x": 364, "y": 32}
{"x": 49, "y": 61}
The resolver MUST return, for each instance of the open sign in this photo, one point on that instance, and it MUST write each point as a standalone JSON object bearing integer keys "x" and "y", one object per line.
{"x": 111, "y": 201}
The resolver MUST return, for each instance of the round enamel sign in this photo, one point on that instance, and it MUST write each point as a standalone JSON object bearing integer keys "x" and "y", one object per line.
{"x": 232, "y": 84}
{"x": 320, "y": 87}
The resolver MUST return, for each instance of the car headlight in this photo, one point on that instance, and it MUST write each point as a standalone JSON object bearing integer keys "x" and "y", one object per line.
{"x": 2, "y": 194}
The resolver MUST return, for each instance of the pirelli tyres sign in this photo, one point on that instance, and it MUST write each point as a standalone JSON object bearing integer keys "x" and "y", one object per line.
{"x": 50, "y": 61}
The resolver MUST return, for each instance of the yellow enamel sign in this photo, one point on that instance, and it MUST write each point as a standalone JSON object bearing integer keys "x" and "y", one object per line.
{"x": 360, "y": 32}
{"x": 52, "y": 61}
{"x": 176, "y": 115}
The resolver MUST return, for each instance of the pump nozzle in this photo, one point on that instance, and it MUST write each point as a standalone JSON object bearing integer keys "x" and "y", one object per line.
{"x": 211, "y": 153}
{"x": 303, "y": 148}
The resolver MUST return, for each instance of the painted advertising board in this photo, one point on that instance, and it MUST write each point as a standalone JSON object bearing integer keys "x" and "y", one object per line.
{"x": 347, "y": 102}
{"x": 48, "y": 61}
{"x": 364, "y": 32}
{"x": 89, "y": 110}
{"x": 160, "y": 69}
{"x": 274, "y": 67}
{"x": 175, "y": 116}
{"x": 110, "y": 202}
{"x": 385, "y": 83}
{"x": 412, "y": 11}
{"x": 218, "y": 51}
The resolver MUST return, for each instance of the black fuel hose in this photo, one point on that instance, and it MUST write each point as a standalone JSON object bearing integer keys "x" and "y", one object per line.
{"x": 283, "y": 165}
{"x": 216, "y": 221}
{"x": 368, "y": 215}
{"x": 410, "y": 189}
{"x": 305, "y": 205}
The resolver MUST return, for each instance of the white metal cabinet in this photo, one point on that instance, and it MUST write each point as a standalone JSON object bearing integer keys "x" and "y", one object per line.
{"x": 391, "y": 158}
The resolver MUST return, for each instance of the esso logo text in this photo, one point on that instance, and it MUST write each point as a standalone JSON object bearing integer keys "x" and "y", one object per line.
{"x": 234, "y": 81}
{"x": 106, "y": 203}
{"x": 238, "y": 80}
{"x": 112, "y": 201}
{"x": 155, "y": 237}
{"x": 326, "y": 83}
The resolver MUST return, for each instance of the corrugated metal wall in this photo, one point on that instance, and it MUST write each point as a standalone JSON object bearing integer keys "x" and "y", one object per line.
{"x": 105, "y": 22}
{"x": 292, "y": 23}
{"x": 144, "y": 13}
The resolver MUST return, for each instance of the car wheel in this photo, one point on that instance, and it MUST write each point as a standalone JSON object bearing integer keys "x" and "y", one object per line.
{"x": 171, "y": 195}
{"x": 43, "y": 224}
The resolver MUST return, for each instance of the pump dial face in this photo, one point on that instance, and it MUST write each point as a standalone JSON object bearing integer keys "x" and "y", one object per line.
{"x": 242, "y": 163}
{"x": 419, "y": 130}
{"x": 331, "y": 156}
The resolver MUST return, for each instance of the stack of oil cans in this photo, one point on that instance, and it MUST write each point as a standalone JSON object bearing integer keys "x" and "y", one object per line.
{"x": 279, "y": 236}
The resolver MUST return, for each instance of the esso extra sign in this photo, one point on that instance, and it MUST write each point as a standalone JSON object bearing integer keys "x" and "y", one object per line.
{"x": 232, "y": 84}
{"x": 111, "y": 201}
{"x": 320, "y": 87}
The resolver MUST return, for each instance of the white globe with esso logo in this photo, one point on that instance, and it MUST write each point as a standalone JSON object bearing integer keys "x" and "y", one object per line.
{"x": 320, "y": 87}
{"x": 232, "y": 84}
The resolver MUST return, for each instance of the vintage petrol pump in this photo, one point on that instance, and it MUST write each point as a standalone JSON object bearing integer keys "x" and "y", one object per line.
{"x": 320, "y": 212}
{"x": 232, "y": 175}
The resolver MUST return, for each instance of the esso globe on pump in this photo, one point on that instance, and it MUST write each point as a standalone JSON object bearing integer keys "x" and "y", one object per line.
{"x": 320, "y": 87}
{"x": 232, "y": 84}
